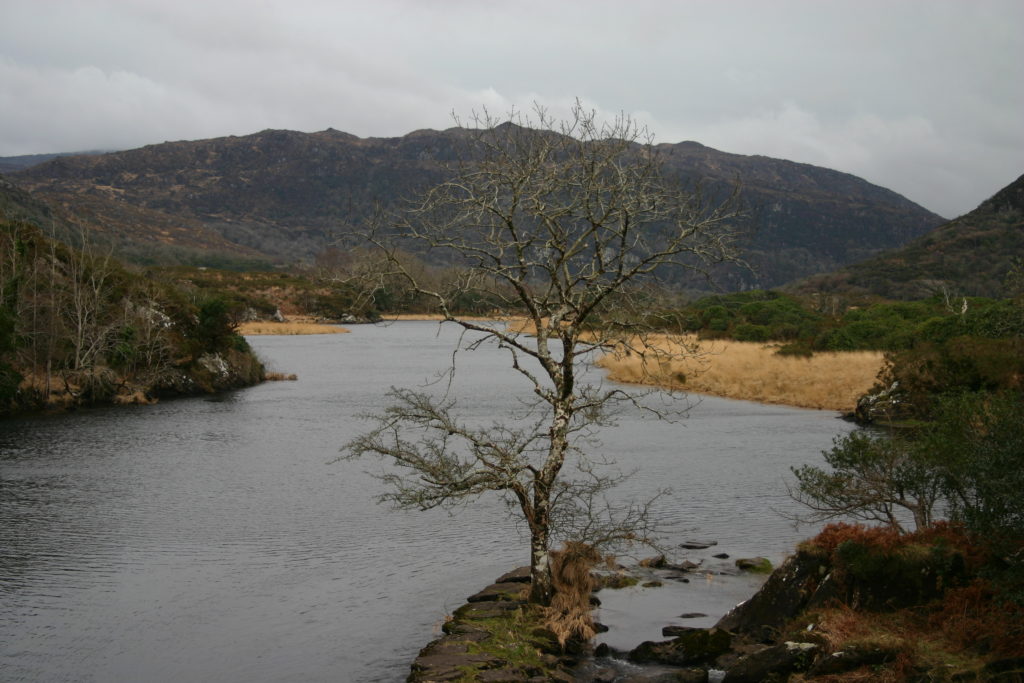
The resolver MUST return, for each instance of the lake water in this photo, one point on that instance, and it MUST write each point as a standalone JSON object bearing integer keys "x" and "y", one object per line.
{"x": 213, "y": 539}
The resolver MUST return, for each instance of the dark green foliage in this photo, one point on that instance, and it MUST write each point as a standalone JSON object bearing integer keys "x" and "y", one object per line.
{"x": 971, "y": 364}
{"x": 756, "y": 315}
{"x": 876, "y": 575}
{"x": 880, "y": 326}
{"x": 978, "y": 442}
{"x": 751, "y": 333}
{"x": 872, "y": 477}
{"x": 213, "y": 323}
{"x": 970, "y": 456}
{"x": 77, "y": 328}
{"x": 9, "y": 377}
{"x": 927, "y": 327}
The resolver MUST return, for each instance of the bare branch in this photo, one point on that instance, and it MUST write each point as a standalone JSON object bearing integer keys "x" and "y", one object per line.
{"x": 565, "y": 225}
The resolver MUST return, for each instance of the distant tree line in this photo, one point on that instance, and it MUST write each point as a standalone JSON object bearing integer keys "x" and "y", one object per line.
{"x": 811, "y": 324}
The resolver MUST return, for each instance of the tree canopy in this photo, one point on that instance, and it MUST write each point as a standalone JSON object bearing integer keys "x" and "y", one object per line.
{"x": 562, "y": 224}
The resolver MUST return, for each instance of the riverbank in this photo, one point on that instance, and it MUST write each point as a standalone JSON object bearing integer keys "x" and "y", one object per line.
{"x": 904, "y": 607}
{"x": 209, "y": 373}
{"x": 751, "y": 371}
{"x": 291, "y": 327}
{"x": 746, "y": 371}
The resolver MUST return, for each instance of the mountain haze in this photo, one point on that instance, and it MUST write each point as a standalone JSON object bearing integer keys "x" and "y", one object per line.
{"x": 287, "y": 195}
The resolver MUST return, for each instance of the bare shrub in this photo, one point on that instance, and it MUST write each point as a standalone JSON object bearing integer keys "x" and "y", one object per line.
{"x": 568, "y": 616}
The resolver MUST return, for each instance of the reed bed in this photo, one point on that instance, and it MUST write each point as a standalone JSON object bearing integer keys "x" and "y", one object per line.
{"x": 438, "y": 317}
{"x": 262, "y": 327}
{"x": 749, "y": 371}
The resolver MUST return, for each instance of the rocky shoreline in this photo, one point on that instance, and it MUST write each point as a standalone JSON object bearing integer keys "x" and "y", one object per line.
{"x": 497, "y": 610}
{"x": 493, "y": 637}
{"x": 467, "y": 651}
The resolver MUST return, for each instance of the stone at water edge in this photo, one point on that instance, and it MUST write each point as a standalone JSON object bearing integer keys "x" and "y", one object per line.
{"x": 758, "y": 565}
{"x": 656, "y": 562}
{"x": 780, "y": 660}
{"x": 520, "y": 575}
{"x": 782, "y": 597}
{"x": 851, "y": 658}
{"x": 508, "y": 591}
{"x": 691, "y": 646}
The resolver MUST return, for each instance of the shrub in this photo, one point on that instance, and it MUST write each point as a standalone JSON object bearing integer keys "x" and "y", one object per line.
{"x": 979, "y": 439}
{"x": 873, "y": 478}
{"x": 751, "y": 333}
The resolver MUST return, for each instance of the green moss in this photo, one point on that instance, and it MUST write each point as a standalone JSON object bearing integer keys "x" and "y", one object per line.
{"x": 616, "y": 581}
{"x": 517, "y": 638}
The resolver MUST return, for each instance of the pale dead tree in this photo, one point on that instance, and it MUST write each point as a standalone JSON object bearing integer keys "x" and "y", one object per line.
{"x": 89, "y": 326}
{"x": 561, "y": 223}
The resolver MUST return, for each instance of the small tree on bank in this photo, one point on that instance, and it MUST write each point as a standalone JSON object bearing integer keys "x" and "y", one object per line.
{"x": 564, "y": 224}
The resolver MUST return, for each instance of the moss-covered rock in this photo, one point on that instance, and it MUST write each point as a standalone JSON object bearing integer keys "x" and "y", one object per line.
{"x": 496, "y": 637}
{"x": 757, "y": 565}
{"x": 691, "y": 646}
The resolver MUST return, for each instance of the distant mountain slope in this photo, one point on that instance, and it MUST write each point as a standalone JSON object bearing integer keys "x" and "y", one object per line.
{"x": 287, "y": 194}
{"x": 16, "y": 163}
{"x": 18, "y": 205}
{"x": 118, "y": 224}
{"x": 968, "y": 256}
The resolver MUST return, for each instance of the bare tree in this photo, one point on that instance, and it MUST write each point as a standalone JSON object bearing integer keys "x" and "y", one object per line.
{"x": 561, "y": 223}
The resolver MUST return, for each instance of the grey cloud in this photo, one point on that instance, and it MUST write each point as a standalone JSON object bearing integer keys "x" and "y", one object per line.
{"x": 923, "y": 97}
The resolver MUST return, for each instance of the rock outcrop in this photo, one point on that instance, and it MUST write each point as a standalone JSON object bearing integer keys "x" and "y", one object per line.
{"x": 473, "y": 646}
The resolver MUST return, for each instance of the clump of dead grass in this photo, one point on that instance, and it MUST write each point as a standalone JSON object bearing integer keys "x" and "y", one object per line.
{"x": 748, "y": 371}
{"x": 960, "y": 629}
{"x": 280, "y": 377}
{"x": 569, "y": 614}
{"x": 134, "y": 397}
{"x": 973, "y": 617}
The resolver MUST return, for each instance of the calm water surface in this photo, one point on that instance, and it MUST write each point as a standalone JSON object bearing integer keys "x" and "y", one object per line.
{"x": 214, "y": 540}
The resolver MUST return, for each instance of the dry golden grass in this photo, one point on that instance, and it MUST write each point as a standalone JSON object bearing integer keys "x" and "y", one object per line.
{"x": 569, "y": 615}
{"x": 438, "y": 316}
{"x": 753, "y": 372}
{"x": 259, "y": 327}
{"x": 133, "y": 398}
{"x": 281, "y": 377}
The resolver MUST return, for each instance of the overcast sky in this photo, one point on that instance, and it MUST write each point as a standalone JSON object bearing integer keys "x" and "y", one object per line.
{"x": 925, "y": 97}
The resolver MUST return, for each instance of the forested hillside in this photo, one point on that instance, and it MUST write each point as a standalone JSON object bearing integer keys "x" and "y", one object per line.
{"x": 969, "y": 256}
{"x": 76, "y": 328}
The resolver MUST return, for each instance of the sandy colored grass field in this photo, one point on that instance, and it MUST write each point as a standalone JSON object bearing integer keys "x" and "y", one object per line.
{"x": 260, "y": 327}
{"x": 753, "y": 372}
{"x": 438, "y": 316}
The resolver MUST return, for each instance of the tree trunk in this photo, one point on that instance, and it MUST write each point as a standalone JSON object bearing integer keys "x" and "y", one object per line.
{"x": 540, "y": 568}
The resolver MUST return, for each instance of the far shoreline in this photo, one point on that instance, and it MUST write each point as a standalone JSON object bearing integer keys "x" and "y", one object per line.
{"x": 270, "y": 328}
{"x": 746, "y": 371}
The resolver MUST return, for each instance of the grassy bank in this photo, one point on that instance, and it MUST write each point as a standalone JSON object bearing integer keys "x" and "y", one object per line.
{"x": 753, "y": 371}
{"x": 290, "y": 328}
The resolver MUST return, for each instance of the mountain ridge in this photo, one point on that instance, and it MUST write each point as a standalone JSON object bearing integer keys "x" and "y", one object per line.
{"x": 287, "y": 194}
{"x": 968, "y": 256}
